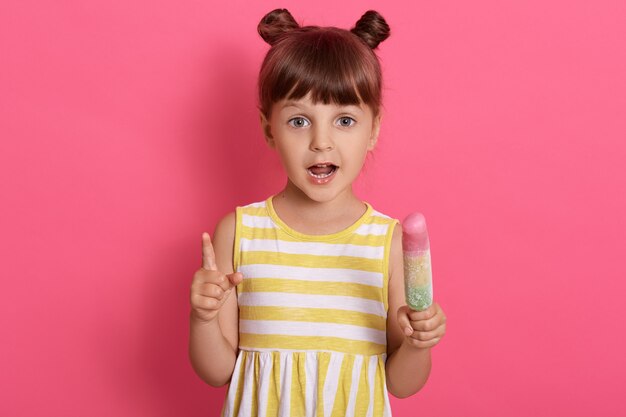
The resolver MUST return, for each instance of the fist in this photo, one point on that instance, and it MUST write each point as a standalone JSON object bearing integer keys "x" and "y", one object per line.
{"x": 210, "y": 288}
{"x": 423, "y": 329}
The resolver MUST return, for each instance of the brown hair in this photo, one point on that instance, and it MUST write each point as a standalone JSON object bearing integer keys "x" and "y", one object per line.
{"x": 335, "y": 65}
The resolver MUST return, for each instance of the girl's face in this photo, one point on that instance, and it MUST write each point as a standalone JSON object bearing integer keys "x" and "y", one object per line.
{"x": 321, "y": 146}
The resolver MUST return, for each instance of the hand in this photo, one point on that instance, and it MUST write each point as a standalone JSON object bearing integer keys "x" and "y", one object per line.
{"x": 210, "y": 288}
{"x": 423, "y": 329}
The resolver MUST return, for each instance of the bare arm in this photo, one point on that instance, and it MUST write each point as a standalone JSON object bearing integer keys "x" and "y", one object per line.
{"x": 213, "y": 333}
{"x": 410, "y": 334}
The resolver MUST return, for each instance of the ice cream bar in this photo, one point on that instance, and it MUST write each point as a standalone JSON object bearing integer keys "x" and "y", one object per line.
{"x": 418, "y": 284}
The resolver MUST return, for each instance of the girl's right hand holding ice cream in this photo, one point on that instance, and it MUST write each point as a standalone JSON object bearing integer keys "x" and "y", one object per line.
{"x": 210, "y": 287}
{"x": 423, "y": 329}
{"x": 423, "y": 322}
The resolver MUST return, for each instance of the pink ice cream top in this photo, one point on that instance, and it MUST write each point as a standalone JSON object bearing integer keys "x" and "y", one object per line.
{"x": 414, "y": 233}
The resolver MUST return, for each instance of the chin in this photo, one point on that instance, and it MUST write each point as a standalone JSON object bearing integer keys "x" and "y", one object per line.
{"x": 321, "y": 193}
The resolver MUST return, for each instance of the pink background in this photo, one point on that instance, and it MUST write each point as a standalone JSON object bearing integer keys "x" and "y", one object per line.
{"x": 128, "y": 128}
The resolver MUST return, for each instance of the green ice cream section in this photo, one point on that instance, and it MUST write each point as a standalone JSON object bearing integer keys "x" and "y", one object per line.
{"x": 418, "y": 280}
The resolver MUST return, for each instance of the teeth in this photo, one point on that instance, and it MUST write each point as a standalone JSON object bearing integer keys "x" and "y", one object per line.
{"x": 320, "y": 176}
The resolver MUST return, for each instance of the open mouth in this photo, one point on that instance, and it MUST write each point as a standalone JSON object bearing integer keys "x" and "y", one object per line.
{"x": 321, "y": 171}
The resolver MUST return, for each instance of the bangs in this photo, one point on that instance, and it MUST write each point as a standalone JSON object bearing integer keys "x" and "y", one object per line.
{"x": 334, "y": 66}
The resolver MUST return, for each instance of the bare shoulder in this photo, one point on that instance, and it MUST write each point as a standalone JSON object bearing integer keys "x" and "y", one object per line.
{"x": 226, "y": 225}
{"x": 223, "y": 242}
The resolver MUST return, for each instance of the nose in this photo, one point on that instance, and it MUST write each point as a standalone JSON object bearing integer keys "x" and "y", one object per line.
{"x": 321, "y": 140}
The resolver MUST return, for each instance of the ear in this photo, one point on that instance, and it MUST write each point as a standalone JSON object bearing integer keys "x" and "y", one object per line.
{"x": 375, "y": 131}
{"x": 267, "y": 131}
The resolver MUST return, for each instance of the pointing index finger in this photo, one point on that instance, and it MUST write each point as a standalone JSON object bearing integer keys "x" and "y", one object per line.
{"x": 208, "y": 255}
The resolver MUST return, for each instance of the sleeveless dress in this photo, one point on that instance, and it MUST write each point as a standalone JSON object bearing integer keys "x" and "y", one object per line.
{"x": 312, "y": 318}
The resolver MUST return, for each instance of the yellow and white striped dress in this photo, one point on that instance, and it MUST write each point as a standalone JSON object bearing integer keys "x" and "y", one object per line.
{"x": 312, "y": 318}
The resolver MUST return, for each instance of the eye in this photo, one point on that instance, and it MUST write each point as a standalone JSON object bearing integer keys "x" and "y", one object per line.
{"x": 298, "y": 122}
{"x": 346, "y": 121}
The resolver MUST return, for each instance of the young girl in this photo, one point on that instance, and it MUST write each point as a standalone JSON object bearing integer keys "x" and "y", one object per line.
{"x": 299, "y": 303}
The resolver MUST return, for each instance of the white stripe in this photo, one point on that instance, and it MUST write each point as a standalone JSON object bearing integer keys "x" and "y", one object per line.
{"x": 387, "y": 409}
{"x": 294, "y": 328}
{"x": 376, "y": 213}
{"x": 265, "y": 371}
{"x": 311, "y": 371}
{"x": 257, "y": 204}
{"x": 260, "y": 222}
{"x": 285, "y": 384}
{"x": 245, "y": 407}
{"x": 371, "y": 378}
{"x": 232, "y": 388}
{"x": 332, "y": 380}
{"x": 354, "y": 388}
{"x": 372, "y": 229}
{"x": 374, "y": 279}
{"x": 313, "y": 248}
{"x": 337, "y": 302}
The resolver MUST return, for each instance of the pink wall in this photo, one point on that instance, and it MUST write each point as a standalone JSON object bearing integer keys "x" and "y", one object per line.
{"x": 128, "y": 128}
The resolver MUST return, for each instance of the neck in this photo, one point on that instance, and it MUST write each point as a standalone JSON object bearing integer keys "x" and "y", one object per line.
{"x": 301, "y": 212}
{"x": 296, "y": 198}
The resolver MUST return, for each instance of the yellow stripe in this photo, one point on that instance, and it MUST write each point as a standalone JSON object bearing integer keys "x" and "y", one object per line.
{"x": 311, "y": 261}
{"x": 255, "y": 387}
{"x": 239, "y": 392}
{"x": 323, "y": 359}
{"x": 363, "y": 395}
{"x": 379, "y": 390}
{"x": 357, "y": 347}
{"x": 248, "y": 232}
{"x": 293, "y": 286}
{"x": 318, "y": 315}
{"x": 298, "y": 384}
{"x": 274, "y": 387}
{"x": 342, "y": 396}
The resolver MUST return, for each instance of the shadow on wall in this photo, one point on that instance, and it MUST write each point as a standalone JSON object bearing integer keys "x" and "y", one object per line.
{"x": 227, "y": 145}
{"x": 228, "y": 165}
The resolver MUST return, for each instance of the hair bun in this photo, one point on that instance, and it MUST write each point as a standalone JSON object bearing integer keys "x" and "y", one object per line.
{"x": 372, "y": 28}
{"x": 275, "y": 24}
